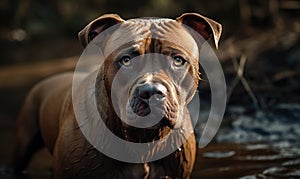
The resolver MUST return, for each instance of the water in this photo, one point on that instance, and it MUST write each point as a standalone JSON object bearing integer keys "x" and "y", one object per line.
{"x": 263, "y": 144}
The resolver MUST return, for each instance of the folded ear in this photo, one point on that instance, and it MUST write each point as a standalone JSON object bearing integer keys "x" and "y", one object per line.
{"x": 203, "y": 25}
{"x": 97, "y": 26}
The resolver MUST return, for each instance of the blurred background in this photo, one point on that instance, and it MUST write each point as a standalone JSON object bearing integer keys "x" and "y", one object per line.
{"x": 259, "y": 52}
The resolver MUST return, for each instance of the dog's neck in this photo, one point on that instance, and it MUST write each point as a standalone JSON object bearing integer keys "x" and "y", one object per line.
{"x": 139, "y": 135}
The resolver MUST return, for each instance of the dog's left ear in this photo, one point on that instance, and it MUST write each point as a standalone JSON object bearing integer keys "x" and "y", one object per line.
{"x": 203, "y": 25}
{"x": 97, "y": 26}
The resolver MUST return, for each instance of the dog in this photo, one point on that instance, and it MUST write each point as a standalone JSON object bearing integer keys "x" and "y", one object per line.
{"x": 48, "y": 116}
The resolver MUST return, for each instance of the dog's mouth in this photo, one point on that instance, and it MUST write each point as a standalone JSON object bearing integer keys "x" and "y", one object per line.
{"x": 140, "y": 107}
{"x": 152, "y": 104}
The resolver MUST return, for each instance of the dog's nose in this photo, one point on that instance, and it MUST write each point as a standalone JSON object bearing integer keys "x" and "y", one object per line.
{"x": 147, "y": 90}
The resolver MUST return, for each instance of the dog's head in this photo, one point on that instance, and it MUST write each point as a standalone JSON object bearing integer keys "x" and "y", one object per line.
{"x": 151, "y": 68}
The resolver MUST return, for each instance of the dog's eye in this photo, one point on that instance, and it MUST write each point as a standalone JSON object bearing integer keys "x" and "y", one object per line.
{"x": 179, "y": 61}
{"x": 125, "y": 61}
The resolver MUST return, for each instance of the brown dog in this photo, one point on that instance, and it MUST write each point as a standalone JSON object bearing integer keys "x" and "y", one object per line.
{"x": 48, "y": 117}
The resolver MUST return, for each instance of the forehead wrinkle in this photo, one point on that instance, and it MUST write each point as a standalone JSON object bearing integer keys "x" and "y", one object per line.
{"x": 182, "y": 41}
{"x": 173, "y": 32}
{"x": 126, "y": 34}
{"x": 138, "y": 31}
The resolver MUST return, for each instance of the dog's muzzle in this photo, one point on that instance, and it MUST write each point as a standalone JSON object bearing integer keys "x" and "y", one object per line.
{"x": 146, "y": 97}
{"x": 152, "y": 101}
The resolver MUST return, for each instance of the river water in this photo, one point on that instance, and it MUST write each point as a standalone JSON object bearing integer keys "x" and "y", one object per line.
{"x": 261, "y": 144}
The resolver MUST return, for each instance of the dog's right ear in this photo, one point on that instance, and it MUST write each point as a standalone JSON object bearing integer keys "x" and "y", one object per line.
{"x": 97, "y": 26}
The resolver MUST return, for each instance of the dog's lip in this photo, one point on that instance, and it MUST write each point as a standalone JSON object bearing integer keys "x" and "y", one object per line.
{"x": 143, "y": 107}
{"x": 143, "y": 110}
